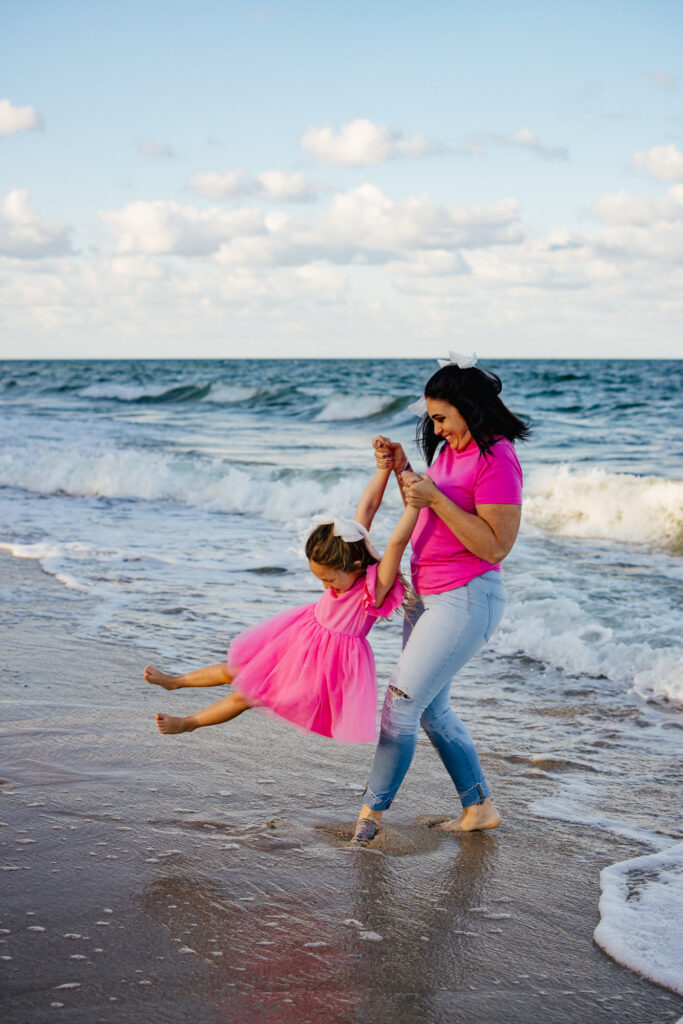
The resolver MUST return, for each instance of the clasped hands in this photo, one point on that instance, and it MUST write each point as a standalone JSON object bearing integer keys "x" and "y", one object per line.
{"x": 419, "y": 491}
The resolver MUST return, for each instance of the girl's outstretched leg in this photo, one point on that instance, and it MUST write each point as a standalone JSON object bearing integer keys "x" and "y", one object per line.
{"x": 211, "y": 675}
{"x": 222, "y": 711}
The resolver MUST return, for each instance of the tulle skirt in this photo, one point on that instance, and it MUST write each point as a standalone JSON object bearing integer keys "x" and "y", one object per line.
{"x": 315, "y": 678}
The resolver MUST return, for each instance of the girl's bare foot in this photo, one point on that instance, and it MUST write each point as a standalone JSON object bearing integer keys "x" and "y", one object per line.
{"x": 169, "y": 725}
{"x": 153, "y": 675}
{"x": 476, "y": 816}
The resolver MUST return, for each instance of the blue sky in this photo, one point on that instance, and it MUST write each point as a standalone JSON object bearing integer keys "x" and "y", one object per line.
{"x": 220, "y": 179}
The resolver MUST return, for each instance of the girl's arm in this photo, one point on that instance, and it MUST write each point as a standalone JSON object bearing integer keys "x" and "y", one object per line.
{"x": 489, "y": 533}
{"x": 371, "y": 499}
{"x": 389, "y": 567}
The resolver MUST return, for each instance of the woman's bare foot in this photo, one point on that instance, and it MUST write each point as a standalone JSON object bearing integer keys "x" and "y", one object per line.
{"x": 153, "y": 675}
{"x": 476, "y": 816}
{"x": 170, "y": 726}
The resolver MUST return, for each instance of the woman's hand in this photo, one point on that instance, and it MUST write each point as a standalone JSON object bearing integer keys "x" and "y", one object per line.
{"x": 420, "y": 491}
{"x": 388, "y": 454}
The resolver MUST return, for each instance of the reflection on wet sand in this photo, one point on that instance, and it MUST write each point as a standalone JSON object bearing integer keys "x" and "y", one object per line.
{"x": 310, "y": 956}
{"x": 264, "y": 965}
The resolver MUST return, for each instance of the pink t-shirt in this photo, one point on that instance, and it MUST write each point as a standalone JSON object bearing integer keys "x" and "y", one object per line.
{"x": 439, "y": 561}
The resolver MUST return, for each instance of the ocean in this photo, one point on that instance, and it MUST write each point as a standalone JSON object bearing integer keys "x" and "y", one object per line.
{"x": 170, "y": 502}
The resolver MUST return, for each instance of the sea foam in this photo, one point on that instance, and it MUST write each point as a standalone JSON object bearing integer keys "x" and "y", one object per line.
{"x": 191, "y": 481}
{"x": 618, "y": 507}
{"x": 641, "y": 909}
{"x": 556, "y": 630}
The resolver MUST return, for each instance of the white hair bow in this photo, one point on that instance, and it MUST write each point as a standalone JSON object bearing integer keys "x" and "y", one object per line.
{"x": 350, "y": 530}
{"x": 419, "y": 408}
{"x": 459, "y": 360}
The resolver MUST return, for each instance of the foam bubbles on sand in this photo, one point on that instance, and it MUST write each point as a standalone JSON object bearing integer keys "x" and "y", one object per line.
{"x": 641, "y": 910}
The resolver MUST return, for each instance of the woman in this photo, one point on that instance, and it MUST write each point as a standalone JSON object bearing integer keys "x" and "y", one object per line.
{"x": 470, "y": 502}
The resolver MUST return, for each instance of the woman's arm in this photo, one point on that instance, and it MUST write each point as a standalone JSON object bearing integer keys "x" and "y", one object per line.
{"x": 390, "y": 455}
{"x": 489, "y": 533}
{"x": 371, "y": 498}
{"x": 390, "y": 564}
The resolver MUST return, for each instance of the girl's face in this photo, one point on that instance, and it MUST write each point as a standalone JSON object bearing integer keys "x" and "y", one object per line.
{"x": 334, "y": 579}
{"x": 448, "y": 423}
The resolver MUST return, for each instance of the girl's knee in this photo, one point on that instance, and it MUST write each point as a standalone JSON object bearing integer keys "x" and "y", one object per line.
{"x": 240, "y": 700}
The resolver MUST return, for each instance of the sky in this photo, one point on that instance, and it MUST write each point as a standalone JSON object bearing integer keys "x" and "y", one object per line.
{"x": 221, "y": 179}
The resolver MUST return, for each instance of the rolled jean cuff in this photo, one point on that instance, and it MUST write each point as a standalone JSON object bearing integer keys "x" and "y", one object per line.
{"x": 475, "y": 794}
{"x": 374, "y": 802}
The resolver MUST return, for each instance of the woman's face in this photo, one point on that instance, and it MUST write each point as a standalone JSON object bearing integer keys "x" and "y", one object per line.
{"x": 448, "y": 423}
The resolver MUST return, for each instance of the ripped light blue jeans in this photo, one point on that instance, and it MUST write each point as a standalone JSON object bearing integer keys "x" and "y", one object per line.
{"x": 440, "y": 635}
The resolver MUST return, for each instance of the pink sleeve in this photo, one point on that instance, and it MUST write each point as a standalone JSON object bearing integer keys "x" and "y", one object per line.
{"x": 498, "y": 480}
{"x": 391, "y": 602}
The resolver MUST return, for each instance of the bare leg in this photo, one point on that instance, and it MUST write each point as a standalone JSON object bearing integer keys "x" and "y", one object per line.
{"x": 476, "y": 816}
{"x": 211, "y": 675}
{"x": 221, "y": 711}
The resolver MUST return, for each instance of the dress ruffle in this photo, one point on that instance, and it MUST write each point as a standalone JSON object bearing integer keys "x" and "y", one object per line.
{"x": 391, "y": 602}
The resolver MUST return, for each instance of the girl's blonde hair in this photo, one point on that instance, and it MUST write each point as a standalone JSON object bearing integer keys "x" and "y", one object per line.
{"x": 325, "y": 548}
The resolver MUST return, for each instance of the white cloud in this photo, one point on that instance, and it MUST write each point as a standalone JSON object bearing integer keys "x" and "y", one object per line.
{"x": 432, "y": 263}
{"x": 168, "y": 228}
{"x": 624, "y": 208}
{"x": 156, "y": 150}
{"x": 479, "y": 144}
{"x": 279, "y": 185}
{"x": 212, "y": 185}
{"x": 24, "y": 234}
{"x": 366, "y": 219}
{"x": 637, "y": 228}
{"x": 368, "y": 273}
{"x": 361, "y": 143}
{"x": 274, "y": 185}
{"x": 362, "y": 225}
{"x": 18, "y": 119}
{"x": 663, "y": 163}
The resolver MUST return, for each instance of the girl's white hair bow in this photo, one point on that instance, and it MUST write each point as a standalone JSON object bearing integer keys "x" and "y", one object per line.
{"x": 419, "y": 408}
{"x": 349, "y": 530}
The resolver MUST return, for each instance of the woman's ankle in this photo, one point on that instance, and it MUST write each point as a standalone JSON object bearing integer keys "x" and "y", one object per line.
{"x": 368, "y": 814}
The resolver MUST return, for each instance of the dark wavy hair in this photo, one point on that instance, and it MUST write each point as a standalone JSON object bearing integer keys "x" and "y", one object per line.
{"x": 474, "y": 393}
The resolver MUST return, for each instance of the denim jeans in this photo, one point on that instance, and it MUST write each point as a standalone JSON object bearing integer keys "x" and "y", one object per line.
{"x": 439, "y": 636}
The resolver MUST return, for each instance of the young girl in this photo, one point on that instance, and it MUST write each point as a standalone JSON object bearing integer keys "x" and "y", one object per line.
{"x": 312, "y": 665}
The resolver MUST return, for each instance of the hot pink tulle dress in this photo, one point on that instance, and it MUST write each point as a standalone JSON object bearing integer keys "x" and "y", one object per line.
{"x": 313, "y": 666}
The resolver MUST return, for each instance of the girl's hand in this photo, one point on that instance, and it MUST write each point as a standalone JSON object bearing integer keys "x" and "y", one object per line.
{"x": 388, "y": 454}
{"x": 420, "y": 491}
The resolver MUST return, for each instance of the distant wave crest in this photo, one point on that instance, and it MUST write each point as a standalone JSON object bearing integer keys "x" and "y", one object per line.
{"x": 144, "y": 392}
{"x": 358, "y": 407}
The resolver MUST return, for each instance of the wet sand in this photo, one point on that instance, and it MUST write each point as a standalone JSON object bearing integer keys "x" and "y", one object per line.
{"x": 205, "y": 878}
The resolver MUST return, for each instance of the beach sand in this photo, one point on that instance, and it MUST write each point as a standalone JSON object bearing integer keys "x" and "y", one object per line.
{"x": 205, "y": 878}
